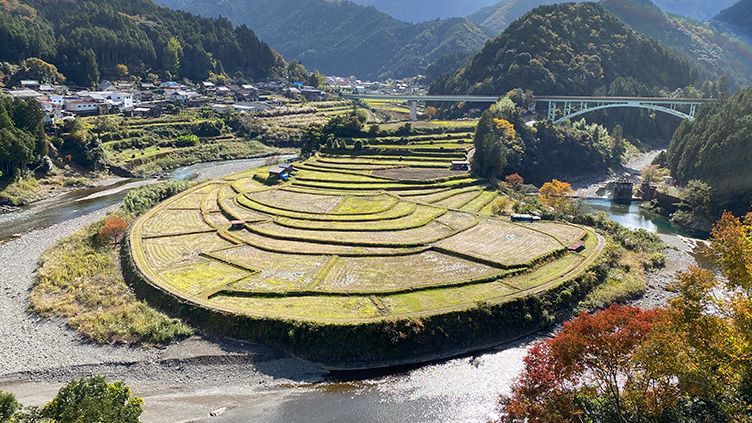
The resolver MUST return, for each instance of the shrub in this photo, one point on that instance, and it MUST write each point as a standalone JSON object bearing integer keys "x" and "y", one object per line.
{"x": 142, "y": 199}
{"x": 46, "y": 165}
{"x": 187, "y": 141}
{"x": 8, "y": 406}
{"x": 210, "y": 128}
{"x": 94, "y": 400}
{"x": 113, "y": 230}
{"x": 21, "y": 192}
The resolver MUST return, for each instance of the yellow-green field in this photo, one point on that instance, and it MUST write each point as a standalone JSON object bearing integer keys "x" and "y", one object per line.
{"x": 353, "y": 238}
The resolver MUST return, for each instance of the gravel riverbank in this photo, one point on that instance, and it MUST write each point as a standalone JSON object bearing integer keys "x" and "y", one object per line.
{"x": 658, "y": 294}
{"x": 38, "y": 355}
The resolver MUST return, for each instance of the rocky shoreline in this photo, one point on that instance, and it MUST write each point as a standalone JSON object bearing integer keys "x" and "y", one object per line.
{"x": 658, "y": 292}
{"x": 587, "y": 187}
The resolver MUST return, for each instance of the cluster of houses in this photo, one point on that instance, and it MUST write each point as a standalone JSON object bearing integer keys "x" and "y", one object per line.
{"x": 148, "y": 99}
{"x": 59, "y": 102}
{"x": 407, "y": 86}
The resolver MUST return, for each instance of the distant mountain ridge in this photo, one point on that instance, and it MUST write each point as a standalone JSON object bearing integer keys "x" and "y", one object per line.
{"x": 714, "y": 54}
{"x": 701, "y": 10}
{"x": 425, "y": 10}
{"x": 498, "y": 16}
{"x": 342, "y": 38}
{"x": 738, "y": 16}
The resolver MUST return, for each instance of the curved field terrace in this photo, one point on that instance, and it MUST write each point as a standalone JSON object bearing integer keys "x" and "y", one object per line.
{"x": 350, "y": 240}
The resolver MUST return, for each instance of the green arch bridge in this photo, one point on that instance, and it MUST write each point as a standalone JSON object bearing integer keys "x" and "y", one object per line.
{"x": 560, "y": 108}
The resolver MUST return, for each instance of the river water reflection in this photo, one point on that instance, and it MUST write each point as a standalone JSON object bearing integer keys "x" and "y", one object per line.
{"x": 464, "y": 389}
{"x": 633, "y": 216}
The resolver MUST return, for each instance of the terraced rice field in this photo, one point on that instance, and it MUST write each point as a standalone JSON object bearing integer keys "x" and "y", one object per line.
{"x": 351, "y": 239}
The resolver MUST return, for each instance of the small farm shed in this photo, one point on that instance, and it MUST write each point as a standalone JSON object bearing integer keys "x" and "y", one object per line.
{"x": 237, "y": 224}
{"x": 288, "y": 166}
{"x": 280, "y": 172}
{"x": 577, "y": 246}
{"x": 524, "y": 218}
{"x": 460, "y": 165}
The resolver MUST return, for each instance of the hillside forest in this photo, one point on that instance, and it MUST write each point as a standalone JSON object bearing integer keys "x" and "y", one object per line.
{"x": 87, "y": 39}
{"x": 506, "y": 145}
{"x": 715, "y": 149}
{"x": 567, "y": 49}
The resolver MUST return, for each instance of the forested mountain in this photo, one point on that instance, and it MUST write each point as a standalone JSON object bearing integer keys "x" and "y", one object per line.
{"x": 567, "y": 49}
{"x": 738, "y": 17}
{"x": 84, "y": 37}
{"x": 713, "y": 53}
{"x": 448, "y": 64}
{"x": 342, "y": 38}
{"x": 425, "y": 10}
{"x": 715, "y": 148}
{"x": 497, "y": 17}
{"x": 701, "y": 10}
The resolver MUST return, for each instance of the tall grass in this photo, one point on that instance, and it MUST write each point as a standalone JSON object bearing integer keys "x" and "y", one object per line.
{"x": 80, "y": 279}
{"x": 21, "y": 192}
{"x": 204, "y": 153}
{"x": 636, "y": 252}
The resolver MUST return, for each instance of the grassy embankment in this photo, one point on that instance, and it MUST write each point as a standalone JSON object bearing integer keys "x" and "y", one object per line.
{"x": 80, "y": 279}
{"x": 636, "y": 252}
{"x": 365, "y": 258}
{"x": 21, "y": 192}
{"x": 60, "y": 178}
{"x": 152, "y": 146}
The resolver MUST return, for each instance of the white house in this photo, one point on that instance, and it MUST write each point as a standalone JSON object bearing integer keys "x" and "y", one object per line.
{"x": 82, "y": 106}
{"x": 57, "y": 99}
{"x": 123, "y": 100}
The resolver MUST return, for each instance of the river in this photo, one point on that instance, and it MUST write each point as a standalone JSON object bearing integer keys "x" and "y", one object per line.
{"x": 633, "y": 216}
{"x": 463, "y": 389}
{"x": 73, "y": 204}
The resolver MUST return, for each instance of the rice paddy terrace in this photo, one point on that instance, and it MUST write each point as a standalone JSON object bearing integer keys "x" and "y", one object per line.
{"x": 387, "y": 234}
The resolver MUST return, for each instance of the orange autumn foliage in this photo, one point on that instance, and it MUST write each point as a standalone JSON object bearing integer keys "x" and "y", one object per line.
{"x": 689, "y": 362}
{"x": 113, "y": 230}
{"x": 555, "y": 194}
